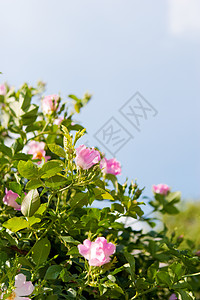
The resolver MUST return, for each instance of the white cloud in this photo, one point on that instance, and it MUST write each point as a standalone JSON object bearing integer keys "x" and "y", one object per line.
{"x": 184, "y": 17}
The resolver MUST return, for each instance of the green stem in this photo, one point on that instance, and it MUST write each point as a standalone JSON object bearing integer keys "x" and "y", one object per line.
{"x": 65, "y": 188}
{"x": 144, "y": 293}
{"x": 57, "y": 205}
{"x": 190, "y": 275}
{"x": 44, "y": 233}
{"x": 42, "y": 132}
{"x": 49, "y": 199}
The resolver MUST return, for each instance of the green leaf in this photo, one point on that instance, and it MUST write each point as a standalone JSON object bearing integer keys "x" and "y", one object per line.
{"x": 170, "y": 209}
{"x": 57, "y": 150}
{"x": 3, "y": 161}
{"x": 18, "y": 145}
{"x": 34, "y": 126}
{"x": 15, "y": 187}
{"x": 178, "y": 270}
{"x": 51, "y": 168}
{"x": 79, "y": 200}
{"x": 27, "y": 169}
{"x": 73, "y": 251}
{"x": 131, "y": 260}
{"x": 174, "y": 197}
{"x": 153, "y": 248}
{"x": 12, "y": 240}
{"x": 52, "y": 297}
{"x": 113, "y": 179}
{"x": 30, "y": 116}
{"x": 33, "y": 220}
{"x": 185, "y": 295}
{"x": 6, "y": 150}
{"x": 3, "y": 258}
{"x": 25, "y": 262}
{"x": 152, "y": 271}
{"x": 34, "y": 184}
{"x": 114, "y": 288}
{"x": 101, "y": 194}
{"x": 25, "y": 98}
{"x": 164, "y": 277}
{"x": 41, "y": 209}
{"x": 72, "y": 293}
{"x": 117, "y": 207}
{"x": 15, "y": 224}
{"x": 74, "y": 97}
{"x": 100, "y": 183}
{"x": 41, "y": 251}
{"x": 30, "y": 203}
{"x": 69, "y": 240}
{"x": 181, "y": 285}
{"x": 22, "y": 156}
{"x": 53, "y": 272}
{"x": 111, "y": 278}
{"x": 56, "y": 181}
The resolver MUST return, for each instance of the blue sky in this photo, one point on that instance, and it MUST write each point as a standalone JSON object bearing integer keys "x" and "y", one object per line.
{"x": 114, "y": 49}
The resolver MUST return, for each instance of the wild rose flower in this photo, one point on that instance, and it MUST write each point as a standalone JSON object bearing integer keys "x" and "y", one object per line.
{"x": 86, "y": 157}
{"x": 50, "y": 104}
{"x": 173, "y": 297}
{"x": 9, "y": 199}
{"x": 2, "y": 89}
{"x": 22, "y": 288}
{"x": 58, "y": 120}
{"x": 37, "y": 150}
{"x": 110, "y": 166}
{"x": 162, "y": 189}
{"x": 97, "y": 253}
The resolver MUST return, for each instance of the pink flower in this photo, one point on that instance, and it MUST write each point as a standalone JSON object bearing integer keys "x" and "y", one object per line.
{"x": 2, "y": 89}
{"x": 58, "y": 121}
{"x": 98, "y": 252}
{"x": 37, "y": 150}
{"x": 22, "y": 288}
{"x": 50, "y": 103}
{"x": 173, "y": 297}
{"x": 110, "y": 166}
{"x": 86, "y": 157}
{"x": 9, "y": 199}
{"x": 162, "y": 189}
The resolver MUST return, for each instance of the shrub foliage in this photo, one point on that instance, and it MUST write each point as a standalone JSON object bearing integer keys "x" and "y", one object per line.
{"x": 40, "y": 239}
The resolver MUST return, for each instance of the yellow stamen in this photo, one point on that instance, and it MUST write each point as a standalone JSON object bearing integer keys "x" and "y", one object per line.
{"x": 12, "y": 296}
{"x": 39, "y": 155}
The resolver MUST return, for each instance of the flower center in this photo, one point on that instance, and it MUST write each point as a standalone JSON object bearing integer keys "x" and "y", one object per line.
{"x": 12, "y": 296}
{"x": 39, "y": 155}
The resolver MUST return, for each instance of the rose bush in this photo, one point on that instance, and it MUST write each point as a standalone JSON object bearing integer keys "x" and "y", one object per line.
{"x": 53, "y": 243}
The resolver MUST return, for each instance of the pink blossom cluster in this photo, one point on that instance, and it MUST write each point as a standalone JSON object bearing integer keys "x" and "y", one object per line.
{"x": 22, "y": 288}
{"x": 9, "y": 199}
{"x": 37, "y": 150}
{"x": 50, "y": 104}
{"x": 97, "y": 253}
{"x": 87, "y": 157}
{"x": 162, "y": 189}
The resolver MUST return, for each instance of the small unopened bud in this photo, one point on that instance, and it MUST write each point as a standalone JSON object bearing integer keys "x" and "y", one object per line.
{"x": 180, "y": 238}
{"x": 197, "y": 253}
